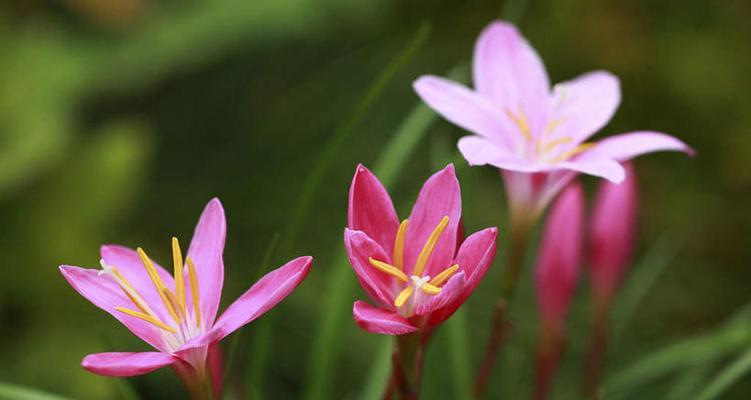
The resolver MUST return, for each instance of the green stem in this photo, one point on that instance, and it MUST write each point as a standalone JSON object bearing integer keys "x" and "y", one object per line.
{"x": 595, "y": 358}
{"x": 407, "y": 362}
{"x": 522, "y": 224}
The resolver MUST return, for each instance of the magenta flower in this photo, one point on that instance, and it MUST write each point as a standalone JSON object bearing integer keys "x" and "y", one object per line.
{"x": 556, "y": 277}
{"x": 612, "y": 234}
{"x": 535, "y": 134}
{"x": 177, "y": 315}
{"x": 412, "y": 271}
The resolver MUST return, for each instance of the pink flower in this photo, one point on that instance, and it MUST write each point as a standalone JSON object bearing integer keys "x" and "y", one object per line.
{"x": 559, "y": 257}
{"x": 177, "y": 315}
{"x": 555, "y": 279}
{"x": 524, "y": 127}
{"x": 412, "y": 270}
{"x": 612, "y": 233}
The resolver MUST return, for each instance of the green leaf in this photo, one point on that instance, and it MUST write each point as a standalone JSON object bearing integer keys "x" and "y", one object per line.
{"x": 683, "y": 354}
{"x": 688, "y": 383}
{"x": 727, "y": 377}
{"x": 14, "y": 392}
{"x": 643, "y": 278}
{"x": 379, "y": 372}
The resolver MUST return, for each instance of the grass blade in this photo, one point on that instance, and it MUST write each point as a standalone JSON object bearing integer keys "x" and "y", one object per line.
{"x": 727, "y": 377}
{"x": 343, "y": 131}
{"x": 14, "y": 392}
{"x": 379, "y": 372}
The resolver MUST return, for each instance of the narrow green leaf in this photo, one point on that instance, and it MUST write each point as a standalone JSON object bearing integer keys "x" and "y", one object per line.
{"x": 688, "y": 383}
{"x": 727, "y": 377}
{"x": 15, "y": 392}
{"x": 379, "y": 372}
{"x": 459, "y": 352}
{"x": 343, "y": 131}
{"x": 643, "y": 278}
{"x": 685, "y": 353}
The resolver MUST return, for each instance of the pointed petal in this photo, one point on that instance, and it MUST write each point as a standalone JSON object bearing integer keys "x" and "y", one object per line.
{"x": 131, "y": 267}
{"x": 476, "y": 255}
{"x": 263, "y": 295}
{"x": 377, "y": 284}
{"x": 206, "y": 250}
{"x": 603, "y": 167}
{"x": 612, "y": 232}
{"x": 439, "y": 197}
{"x": 126, "y": 364}
{"x": 371, "y": 209}
{"x": 104, "y": 292}
{"x": 585, "y": 104}
{"x": 626, "y": 146}
{"x": 450, "y": 293}
{"x": 508, "y": 70}
{"x": 466, "y": 109}
{"x": 559, "y": 257}
{"x": 478, "y": 150}
{"x": 376, "y": 320}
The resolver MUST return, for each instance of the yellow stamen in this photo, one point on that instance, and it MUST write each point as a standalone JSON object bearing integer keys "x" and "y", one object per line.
{"x": 521, "y": 122}
{"x": 194, "y": 291}
{"x": 177, "y": 260}
{"x": 399, "y": 245}
{"x": 543, "y": 149}
{"x": 147, "y": 318}
{"x": 430, "y": 289}
{"x": 173, "y": 301}
{"x": 552, "y": 125}
{"x": 131, "y": 292}
{"x": 389, "y": 269}
{"x": 157, "y": 283}
{"x": 422, "y": 259}
{"x": 403, "y": 296}
{"x": 439, "y": 279}
{"x": 575, "y": 151}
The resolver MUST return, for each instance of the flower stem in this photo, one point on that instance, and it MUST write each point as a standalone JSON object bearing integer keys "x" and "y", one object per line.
{"x": 596, "y": 350}
{"x": 407, "y": 362}
{"x": 549, "y": 351}
{"x": 522, "y": 224}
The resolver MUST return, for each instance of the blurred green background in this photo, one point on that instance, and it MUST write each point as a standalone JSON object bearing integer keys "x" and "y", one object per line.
{"x": 120, "y": 119}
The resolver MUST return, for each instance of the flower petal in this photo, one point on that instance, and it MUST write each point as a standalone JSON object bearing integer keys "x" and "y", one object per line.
{"x": 378, "y": 285}
{"x": 450, "y": 293}
{"x": 131, "y": 267}
{"x": 508, "y": 70}
{"x": 206, "y": 251}
{"x": 376, "y": 320}
{"x": 585, "y": 104}
{"x": 475, "y": 257}
{"x": 263, "y": 295}
{"x": 603, "y": 167}
{"x": 478, "y": 150}
{"x": 104, "y": 292}
{"x": 626, "y": 146}
{"x": 439, "y": 197}
{"x": 371, "y": 209}
{"x": 126, "y": 364}
{"x": 466, "y": 109}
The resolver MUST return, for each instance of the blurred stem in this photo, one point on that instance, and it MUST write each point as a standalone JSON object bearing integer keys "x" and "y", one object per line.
{"x": 522, "y": 224}
{"x": 549, "y": 351}
{"x": 595, "y": 359}
{"x": 197, "y": 381}
{"x": 407, "y": 362}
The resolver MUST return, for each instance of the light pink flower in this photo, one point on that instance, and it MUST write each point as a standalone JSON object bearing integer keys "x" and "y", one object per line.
{"x": 612, "y": 233}
{"x": 524, "y": 127}
{"x": 412, "y": 270}
{"x": 176, "y": 315}
{"x": 560, "y": 257}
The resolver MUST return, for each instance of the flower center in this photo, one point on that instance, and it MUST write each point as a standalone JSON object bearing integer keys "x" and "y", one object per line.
{"x": 416, "y": 283}
{"x": 540, "y": 147}
{"x": 183, "y": 325}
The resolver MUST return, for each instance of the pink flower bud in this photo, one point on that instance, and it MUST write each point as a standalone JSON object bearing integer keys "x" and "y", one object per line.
{"x": 612, "y": 233}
